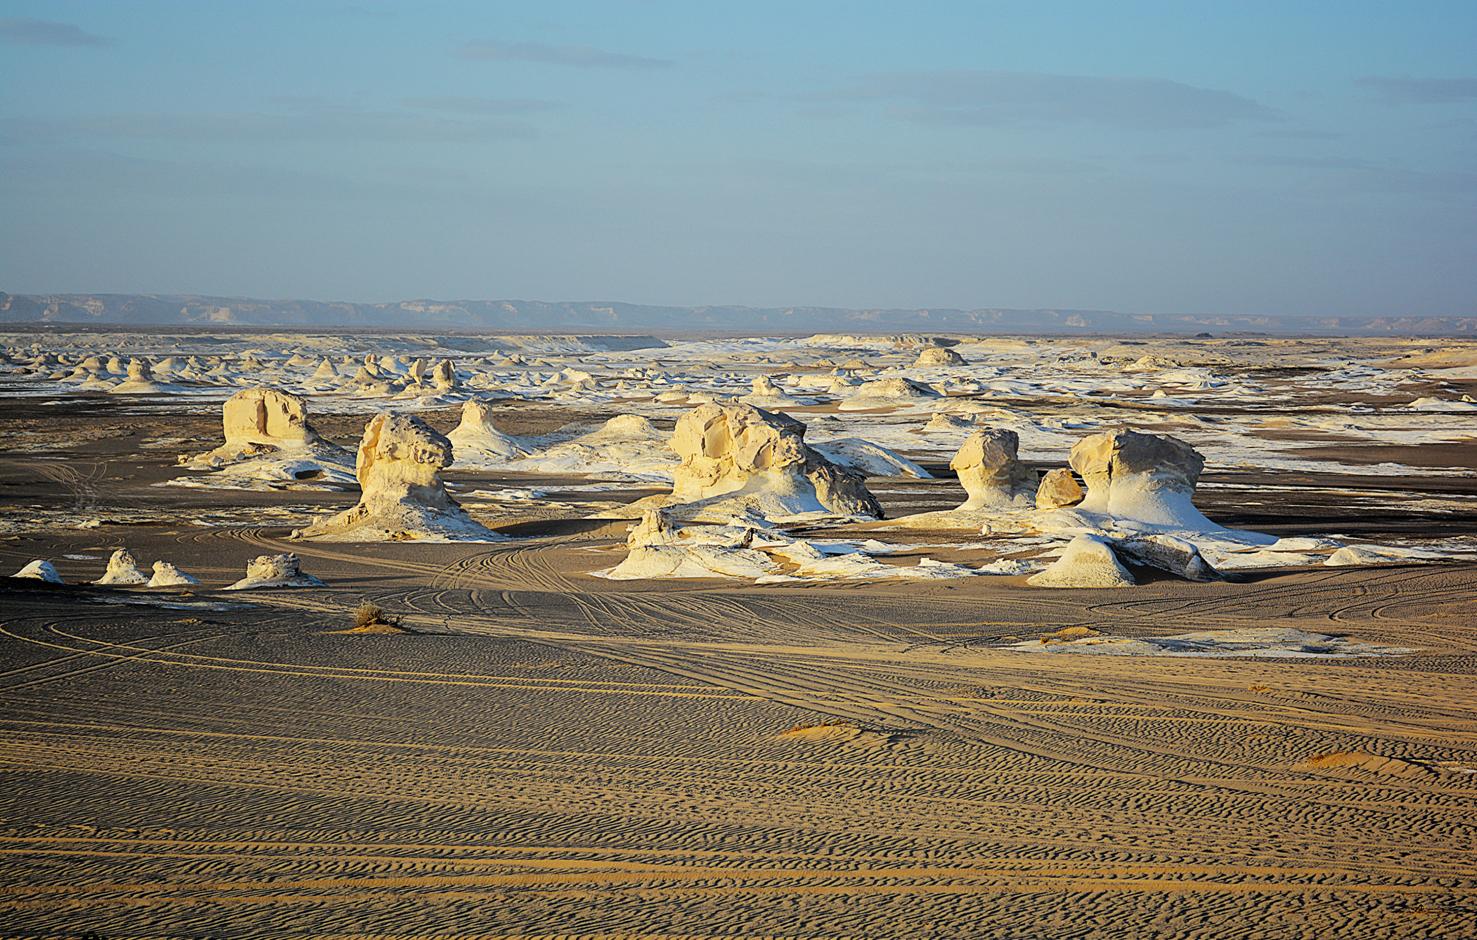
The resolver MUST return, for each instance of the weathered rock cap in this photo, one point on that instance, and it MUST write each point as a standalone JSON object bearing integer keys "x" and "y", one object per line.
{"x": 990, "y": 471}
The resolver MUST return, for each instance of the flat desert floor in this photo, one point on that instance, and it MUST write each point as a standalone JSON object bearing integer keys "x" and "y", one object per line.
{"x": 535, "y": 750}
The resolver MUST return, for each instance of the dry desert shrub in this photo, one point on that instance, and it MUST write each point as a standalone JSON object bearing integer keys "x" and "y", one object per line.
{"x": 369, "y": 614}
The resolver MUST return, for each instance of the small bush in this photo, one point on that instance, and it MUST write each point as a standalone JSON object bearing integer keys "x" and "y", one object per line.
{"x": 368, "y": 614}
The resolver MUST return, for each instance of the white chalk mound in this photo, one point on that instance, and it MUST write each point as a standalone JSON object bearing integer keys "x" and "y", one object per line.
{"x": 167, "y": 575}
{"x": 1145, "y": 478}
{"x": 40, "y": 570}
{"x": 990, "y": 471}
{"x": 123, "y": 570}
{"x": 403, "y": 497}
{"x": 737, "y": 458}
{"x": 275, "y": 571}
{"x": 1087, "y": 562}
{"x": 476, "y": 441}
{"x": 657, "y": 549}
{"x": 269, "y": 441}
{"x": 939, "y": 356}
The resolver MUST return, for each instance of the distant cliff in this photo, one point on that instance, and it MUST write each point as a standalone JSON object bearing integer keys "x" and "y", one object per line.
{"x": 535, "y": 316}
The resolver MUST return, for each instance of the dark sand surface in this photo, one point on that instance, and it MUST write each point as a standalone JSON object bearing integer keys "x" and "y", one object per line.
{"x": 546, "y": 753}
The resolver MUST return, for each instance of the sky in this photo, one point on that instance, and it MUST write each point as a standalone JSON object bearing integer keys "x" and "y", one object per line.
{"x": 1313, "y": 158}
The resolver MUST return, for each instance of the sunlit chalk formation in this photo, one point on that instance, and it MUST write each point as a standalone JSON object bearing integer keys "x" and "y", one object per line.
{"x": 275, "y": 571}
{"x": 759, "y": 459}
{"x": 1088, "y": 561}
{"x": 990, "y": 471}
{"x": 403, "y": 497}
{"x": 123, "y": 571}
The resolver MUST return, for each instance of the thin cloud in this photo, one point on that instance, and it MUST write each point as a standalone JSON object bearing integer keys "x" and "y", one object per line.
{"x": 31, "y": 32}
{"x": 325, "y": 124}
{"x": 1423, "y": 90}
{"x": 461, "y": 104}
{"x": 989, "y": 98}
{"x": 583, "y": 57}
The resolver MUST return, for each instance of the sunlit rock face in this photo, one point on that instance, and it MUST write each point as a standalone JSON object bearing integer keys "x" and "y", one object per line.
{"x": 259, "y": 421}
{"x": 477, "y": 440}
{"x": 1148, "y": 478}
{"x": 123, "y": 571}
{"x": 990, "y": 471}
{"x": 1087, "y": 562}
{"x": 733, "y": 448}
{"x": 403, "y": 497}
{"x": 275, "y": 571}
{"x": 1059, "y": 489}
{"x": 939, "y": 356}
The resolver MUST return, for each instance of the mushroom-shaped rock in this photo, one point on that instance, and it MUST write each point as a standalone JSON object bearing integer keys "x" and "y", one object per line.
{"x": 762, "y": 457}
{"x": 140, "y": 380}
{"x": 990, "y": 471}
{"x": 403, "y": 496}
{"x": 122, "y": 570}
{"x": 167, "y": 575}
{"x": 1059, "y": 488}
{"x": 275, "y": 571}
{"x": 939, "y": 356}
{"x": 476, "y": 440}
{"x": 1087, "y": 562}
{"x": 1147, "y": 478}
{"x": 40, "y": 570}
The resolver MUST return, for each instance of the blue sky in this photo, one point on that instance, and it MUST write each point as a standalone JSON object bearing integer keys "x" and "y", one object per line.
{"x": 1316, "y": 158}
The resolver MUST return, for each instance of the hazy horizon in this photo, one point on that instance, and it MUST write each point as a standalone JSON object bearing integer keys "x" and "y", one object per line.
{"x": 1148, "y": 158}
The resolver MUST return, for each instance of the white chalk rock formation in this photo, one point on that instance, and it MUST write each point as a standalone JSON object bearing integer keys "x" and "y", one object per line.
{"x": 275, "y": 571}
{"x": 1146, "y": 478}
{"x": 40, "y": 570}
{"x": 260, "y": 421}
{"x": 402, "y": 494}
{"x": 123, "y": 570}
{"x": 939, "y": 356}
{"x": 1059, "y": 489}
{"x": 887, "y": 391}
{"x": 947, "y": 421}
{"x": 140, "y": 380}
{"x": 1087, "y": 562}
{"x": 990, "y": 471}
{"x": 1167, "y": 553}
{"x": 477, "y": 441}
{"x": 658, "y": 549}
{"x": 167, "y": 575}
{"x": 867, "y": 459}
{"x": 749, "y": 458}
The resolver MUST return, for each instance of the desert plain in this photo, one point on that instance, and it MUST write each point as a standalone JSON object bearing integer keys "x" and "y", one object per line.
{"x": 731, "y": 636}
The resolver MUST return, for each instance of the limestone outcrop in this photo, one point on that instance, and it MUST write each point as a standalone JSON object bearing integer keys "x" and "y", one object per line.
{"x": 259, "y": 421}
{"x": 403, "y": 497}
{"x": 123, "y": 571}
{"x": 40, "y": 570}
{"x": 759, "y": 460}
{"x": 275, "y": 571}
{"x": 990, "y": 471}
{"x": 167, "y": 575}
{"x": 476, "y": 440}
{"x": 1059, "y": 489}
{"x": 1145, "y": 478}
{"x": 939, "y": 356}
{"x": 1087, "y": 562}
